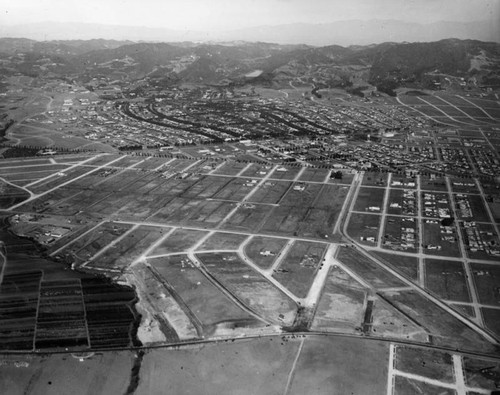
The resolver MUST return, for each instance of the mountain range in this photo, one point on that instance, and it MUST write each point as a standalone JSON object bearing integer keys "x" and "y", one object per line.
{"x": 353, "y": 32}
{"x": 387, "y": 66}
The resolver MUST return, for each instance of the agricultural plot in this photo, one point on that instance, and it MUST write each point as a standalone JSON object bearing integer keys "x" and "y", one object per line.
{"x": 447, "y": 279}
{"x": 108, "y": 313}
{"x": 342, "y": 304}
{"x": 249, "y": 287}
{"x": 223, "y": 241}
{"x": 263, "y": 251}
{"x": 299, "y": 267}
{"x": 177, "y": 210}
{"x": 61, "y": 316}
{"x": 85, "y": 247}
{"x": 364, "y": 227}
{"x": 179, "y": 241}
{"x": 19, "y": 295}
{"x": 369, "y": 199}
{"x": 368, "y": 270}
{"x": 204, "y": 300}
{"x": 120, "y": 255}
{"x": 407, "y": 265}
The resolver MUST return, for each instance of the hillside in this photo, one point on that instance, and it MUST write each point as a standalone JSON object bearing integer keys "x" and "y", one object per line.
{"x": 386, "y": 66}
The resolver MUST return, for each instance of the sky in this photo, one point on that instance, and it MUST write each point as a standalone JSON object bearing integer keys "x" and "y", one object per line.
{"x": 220, "y": 15}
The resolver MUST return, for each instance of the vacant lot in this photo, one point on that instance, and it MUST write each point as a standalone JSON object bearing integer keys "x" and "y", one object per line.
{"x": 125, "y": 251}
{"x": 407, "y": 265}
{"x": 223, "y": 241}
{"x": 370, "y": 199}
{"x": 206, "y": 301}
{"x": 180, "y": 240}
{"x": 487, "y": 278}
{"x": 364, "y": 227}
{"x": 325, "y": 366}
{"x": 433, "y": 364}
{"x": 263, "y": 251}
{"x": 257, "y": 366}
{"x": 299, "y": 267}
{"x": 102, "y": 373}
{"x": 342, "y": 304}
{"x": 249, "y": 287}
{"x": 366, "y": 268}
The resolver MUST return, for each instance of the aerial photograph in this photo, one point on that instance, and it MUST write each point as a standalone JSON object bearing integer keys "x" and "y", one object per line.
{"x": 250, "y": 197}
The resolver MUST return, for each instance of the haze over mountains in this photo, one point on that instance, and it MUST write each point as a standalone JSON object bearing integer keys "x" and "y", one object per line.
{"x": 353, "y": 32}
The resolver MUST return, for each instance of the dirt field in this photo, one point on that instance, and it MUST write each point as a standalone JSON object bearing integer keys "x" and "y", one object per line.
{"x": 180, "y": 240}
{"x": 447, "y": 279}
{"x": 263, "y": 251}
{"x": 342, "y": 304}
{"x": 258, "y": 366}
{"x": 250, "y": 287}
{"x": 103, "y": 373}
{"x": 299, "y": 267}
{"x": 428, "y": 363}
{"x": 326, "y": 366}
{"x": 223, "y": 241}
